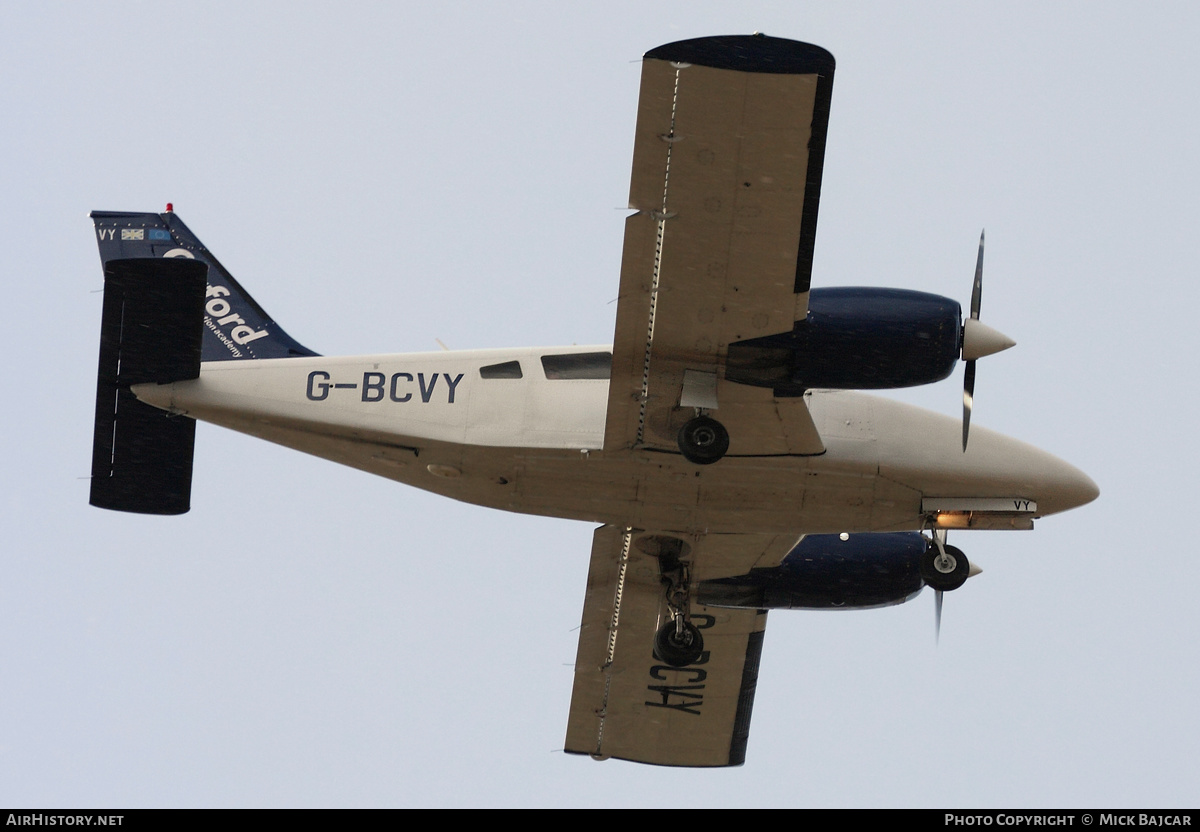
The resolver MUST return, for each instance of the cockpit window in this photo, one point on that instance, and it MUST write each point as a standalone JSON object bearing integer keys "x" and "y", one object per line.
{"x": 578, "y": 365}
{"x": 509, "y": 369}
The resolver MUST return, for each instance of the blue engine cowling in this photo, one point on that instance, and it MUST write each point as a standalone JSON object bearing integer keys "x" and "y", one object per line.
{"x": 825, "y": 572}
{"x": 855, "y": 339}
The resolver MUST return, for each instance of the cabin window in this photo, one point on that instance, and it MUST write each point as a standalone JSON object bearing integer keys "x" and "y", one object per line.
{"x": 509, "y": 369}
{"x": 578, "y": 365}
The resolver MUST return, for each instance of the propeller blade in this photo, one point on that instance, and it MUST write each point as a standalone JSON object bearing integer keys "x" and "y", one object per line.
{"x": 969, "y": 379}
{"x": 937, "y": 620}
{"x": 968, "y": 401}
{"x": 977, "y": 289}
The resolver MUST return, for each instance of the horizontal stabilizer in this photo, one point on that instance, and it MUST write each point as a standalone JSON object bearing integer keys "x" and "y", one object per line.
{"x": 150, "y": 332}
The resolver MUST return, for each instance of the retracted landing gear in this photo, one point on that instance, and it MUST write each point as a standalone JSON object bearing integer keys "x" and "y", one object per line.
{"x": 678, "y": 642}
{"x": 703, "y": 440}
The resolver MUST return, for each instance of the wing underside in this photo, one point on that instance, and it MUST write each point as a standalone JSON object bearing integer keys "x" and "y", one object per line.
{"x": 727, "y": 162}
{"x": 628, "y": 704}
{"x": 726, "y": 181}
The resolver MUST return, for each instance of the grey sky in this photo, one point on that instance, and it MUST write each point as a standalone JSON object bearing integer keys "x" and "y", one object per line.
{"x": 379, "y": 178}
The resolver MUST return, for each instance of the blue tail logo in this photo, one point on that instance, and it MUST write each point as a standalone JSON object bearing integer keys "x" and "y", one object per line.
{"x": 235, "y": 326}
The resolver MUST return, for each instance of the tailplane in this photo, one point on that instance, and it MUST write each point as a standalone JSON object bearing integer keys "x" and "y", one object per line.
{"x": 149, "y": 333}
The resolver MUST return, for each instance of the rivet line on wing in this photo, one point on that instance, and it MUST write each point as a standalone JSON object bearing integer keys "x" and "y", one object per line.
{"x": 612, "y": 635}
{"x": 658, "y": 250}
{"x": 602, "y": 714}
{"x": 616, "y": 616}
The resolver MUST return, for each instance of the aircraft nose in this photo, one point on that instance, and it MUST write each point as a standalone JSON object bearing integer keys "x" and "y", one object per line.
{"x": 1067, "y": 487}
{"x": 1030, "y": 472}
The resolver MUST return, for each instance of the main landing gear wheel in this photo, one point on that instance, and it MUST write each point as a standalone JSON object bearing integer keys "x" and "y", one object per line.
{"x": 944, "y": 571}
{"x": 703, "y": 440}
{"x": 677, "y": 646}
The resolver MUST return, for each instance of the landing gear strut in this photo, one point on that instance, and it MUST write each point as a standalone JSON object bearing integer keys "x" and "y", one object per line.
{"x": 703, "y": 440}
{"x": 678, "y": 642}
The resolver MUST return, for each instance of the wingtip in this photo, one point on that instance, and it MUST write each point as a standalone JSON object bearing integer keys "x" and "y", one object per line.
{"x": 749, "y": 53}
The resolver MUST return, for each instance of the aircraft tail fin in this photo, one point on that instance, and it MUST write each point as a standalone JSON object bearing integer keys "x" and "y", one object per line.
{"x": 234, "y": 325}
{"x": 150, "y": 332}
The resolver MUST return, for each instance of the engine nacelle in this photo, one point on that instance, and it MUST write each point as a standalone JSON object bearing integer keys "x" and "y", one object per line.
{"x": 825, "y": 572}
{"x": 855, "y": 339}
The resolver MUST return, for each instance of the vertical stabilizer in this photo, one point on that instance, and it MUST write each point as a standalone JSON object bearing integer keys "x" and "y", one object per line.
{"x": 235, "y": 326}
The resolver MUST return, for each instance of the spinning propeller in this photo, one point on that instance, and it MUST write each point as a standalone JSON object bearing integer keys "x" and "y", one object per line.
{"x": 978, "y": 340}
{"x": 937, "y": 617}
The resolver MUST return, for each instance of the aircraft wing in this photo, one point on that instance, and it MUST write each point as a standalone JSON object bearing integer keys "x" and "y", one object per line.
{"x": 629, "y": 705}
{"x": 727, "y": 163}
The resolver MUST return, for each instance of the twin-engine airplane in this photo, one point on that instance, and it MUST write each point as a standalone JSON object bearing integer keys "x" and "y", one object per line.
{"x": 721, "y": 441}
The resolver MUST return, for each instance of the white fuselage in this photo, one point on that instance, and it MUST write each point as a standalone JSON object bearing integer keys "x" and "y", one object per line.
{"x": 535, "y": 445}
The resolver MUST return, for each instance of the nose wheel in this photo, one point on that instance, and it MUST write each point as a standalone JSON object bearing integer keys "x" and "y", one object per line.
{"x": 943, "y": 567}
{"x": 703, "y": 440}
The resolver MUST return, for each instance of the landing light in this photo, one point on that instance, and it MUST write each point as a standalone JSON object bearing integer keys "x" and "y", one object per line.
{"x": 969, "y": 519}
{"x": 952, "y": 520}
